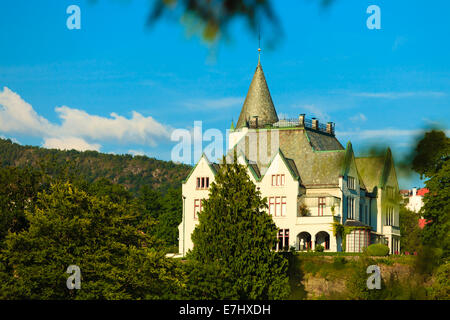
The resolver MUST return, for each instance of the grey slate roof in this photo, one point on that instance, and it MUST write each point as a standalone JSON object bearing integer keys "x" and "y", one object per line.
{"x": 322, "y": 141}
{"x": 313, "y": 168}
{"x": 258, "y": 102}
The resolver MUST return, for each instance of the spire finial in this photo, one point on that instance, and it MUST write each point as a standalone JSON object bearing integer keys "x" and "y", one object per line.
{"x": 259, "y": 44}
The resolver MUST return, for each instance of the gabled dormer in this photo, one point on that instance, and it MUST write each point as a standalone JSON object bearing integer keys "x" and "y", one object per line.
{"x": 351, "y": 178}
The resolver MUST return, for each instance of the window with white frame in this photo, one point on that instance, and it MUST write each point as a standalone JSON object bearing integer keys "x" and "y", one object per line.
{"x": 350, "y": 208}
{"x": 283, "y": 240}
{"x": 197, "y": 207}
{"x": 202, "y": 183}
{"x": 278, "y": 180}
{"x": 277, "y": 206}
{"x": 389, "y": 216}
{"x": 321, "y": 206}
{"x": 357, "y": 239}
{"x": 351, "y": 183}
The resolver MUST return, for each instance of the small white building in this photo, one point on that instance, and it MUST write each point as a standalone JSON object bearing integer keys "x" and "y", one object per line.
{"x": 310, "y": 180}
{"x": 414, "y": 198}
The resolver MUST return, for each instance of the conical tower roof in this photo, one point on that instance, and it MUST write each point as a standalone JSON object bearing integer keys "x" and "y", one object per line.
{"x": 258, "y": 102}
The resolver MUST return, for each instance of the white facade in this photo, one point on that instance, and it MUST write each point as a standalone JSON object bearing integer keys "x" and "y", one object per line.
{"x": 415, "y": 201}
{"x": 317, "y": 184}
{"x": 325, "y": 206}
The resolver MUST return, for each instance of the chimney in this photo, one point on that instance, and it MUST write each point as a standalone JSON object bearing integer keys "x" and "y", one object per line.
{"x": 315, "y": 124}
{"x": 330, "y": 128}
{"x": 301, "y": 120}
{"x": 254, "y": 122}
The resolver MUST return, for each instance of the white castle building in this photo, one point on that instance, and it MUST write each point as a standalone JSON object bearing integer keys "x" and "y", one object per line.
{"x": 310, "y": 180}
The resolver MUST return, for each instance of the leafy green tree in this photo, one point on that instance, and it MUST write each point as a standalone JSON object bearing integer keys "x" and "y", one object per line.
{"x": 18, "y": 190}
{"x": 409, "y": 230}
{"x": 208, "y": 281}
{"x": 70, "y": 226}
{"x": 104, "y": 187}
{"x": 440, "y": 289}
{"x": 212, "y": 18}
{"x": 236, "y": 232}
{"x": 151, "y": 201}
{"x": 432, "y": 160}
{"x": 170, "y": 218}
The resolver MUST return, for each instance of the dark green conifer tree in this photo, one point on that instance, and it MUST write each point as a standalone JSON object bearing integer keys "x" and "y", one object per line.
{"x": 236, "y": 233}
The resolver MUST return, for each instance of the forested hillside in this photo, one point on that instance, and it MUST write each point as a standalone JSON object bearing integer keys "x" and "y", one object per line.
{"x": 133, "y": 172}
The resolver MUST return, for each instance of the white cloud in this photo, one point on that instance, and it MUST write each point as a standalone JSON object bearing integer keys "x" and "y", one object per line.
{"x": 358, "y": 118}
{"x": 69, "y": 143}
{"x": 138, "y": 129}
{"x": 136, "y": 152}
{"x": 17, "y": 116}
{"x": 83, "y": 130}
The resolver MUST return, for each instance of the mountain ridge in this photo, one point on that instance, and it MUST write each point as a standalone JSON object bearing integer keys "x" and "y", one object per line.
{"x": 133, "y": 172}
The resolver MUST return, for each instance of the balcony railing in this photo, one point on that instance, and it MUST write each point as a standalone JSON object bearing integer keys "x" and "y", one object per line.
{"x": 308, "y": 123}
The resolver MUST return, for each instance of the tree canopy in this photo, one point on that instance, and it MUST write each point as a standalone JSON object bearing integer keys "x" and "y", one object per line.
{"x": 69, "y": 226}
{"x": 432, "y": 160}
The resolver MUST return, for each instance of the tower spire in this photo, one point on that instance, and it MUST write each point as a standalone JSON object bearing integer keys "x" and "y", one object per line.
{"x": 259, "y": 44}
{"x": 258, "y": 102}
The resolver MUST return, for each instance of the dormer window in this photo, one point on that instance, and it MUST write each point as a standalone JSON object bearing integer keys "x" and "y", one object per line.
{"x": 278, "y": 180}
{"x": 351, "y": 183}
{"x": 202, "y": 183}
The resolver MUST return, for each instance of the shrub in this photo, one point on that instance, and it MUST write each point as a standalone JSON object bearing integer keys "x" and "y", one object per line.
{"x": 440, "y": 290}
{"x": 319, "y": 248}
{"x": 339, "y": 261}
{"x": 377, "y": 249}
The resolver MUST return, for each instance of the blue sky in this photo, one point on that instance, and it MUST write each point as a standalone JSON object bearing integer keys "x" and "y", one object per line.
{"x": 118, "y": 86}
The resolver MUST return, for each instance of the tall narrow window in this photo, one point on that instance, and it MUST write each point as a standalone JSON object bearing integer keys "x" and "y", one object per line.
{"x": 277, "y": 206}
{"x": 280, "y": 239}
{"x": 351, "y": 183}
{"x": 389, "y": 216}
{"x": 278, "y": 180}
{"x": 286, "y": 239}
{"x": 350, "y": 208}
{"x": 197, "y": 207}
{"x": 283, "y": 206}
{"x": 283, "y": 240}
{"x": 321, "y": 206}
{"x": 202, "y": 183}
{"x": 272, "y": 206}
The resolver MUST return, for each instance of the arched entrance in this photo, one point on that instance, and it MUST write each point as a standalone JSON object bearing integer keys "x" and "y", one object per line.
{"x": 323, "y": 238}
{"x": 304, "y": 241}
